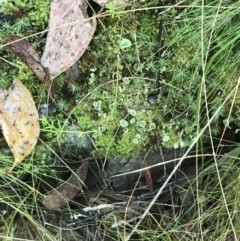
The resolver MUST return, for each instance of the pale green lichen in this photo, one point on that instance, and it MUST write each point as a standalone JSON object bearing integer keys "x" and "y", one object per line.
{"x": 119, "y": 71}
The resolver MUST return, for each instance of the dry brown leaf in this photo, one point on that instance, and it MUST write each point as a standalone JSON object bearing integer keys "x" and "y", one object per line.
{"x": 19, "y": 120}
{"x": 69, "y": 35}
{"x": 148, "y": 177}
{"x": 67, "y": 191}
{"x": 25, "y": 51}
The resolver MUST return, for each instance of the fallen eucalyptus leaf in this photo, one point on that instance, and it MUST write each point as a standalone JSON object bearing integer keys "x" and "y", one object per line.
{"x": 67, "y": 191}
{"x": 26, "y": 52}
{"x": 69, "y": 35}
{"x": 19, "y": 120}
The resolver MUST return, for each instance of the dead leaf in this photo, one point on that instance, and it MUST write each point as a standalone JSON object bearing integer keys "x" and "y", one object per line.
{"x": 19, "y": 120}
{"x": 26, "y": 52}
{"x": 67, "y": 191}
{"x": 148, "y": 178}
{"x": 69, "y": 35}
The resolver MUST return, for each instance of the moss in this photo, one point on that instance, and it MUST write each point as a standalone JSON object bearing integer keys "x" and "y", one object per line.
{"x": 110, "y": 102}
{"x": 31, "y": 17}
{"x": 37, "y": 11}
{"x": 106, "y": 108}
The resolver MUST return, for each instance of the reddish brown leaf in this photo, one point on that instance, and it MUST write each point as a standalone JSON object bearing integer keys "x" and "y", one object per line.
{"x": 25, "y": 51}
{"x": 69, "y": 35}
{"x": 148, "y": 178}
{"x": 67, "y": 191}
{"x": 19, "y": 120}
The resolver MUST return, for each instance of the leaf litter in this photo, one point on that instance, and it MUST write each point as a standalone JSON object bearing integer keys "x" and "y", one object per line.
{"x": 19, "y": 120}
{"x": 26, "y": 52}
{"x": 67, "y": 191}
{"x": 70, "y": 34}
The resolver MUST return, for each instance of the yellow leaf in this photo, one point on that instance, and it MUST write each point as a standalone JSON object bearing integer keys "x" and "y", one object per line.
{"x": 19, "y": 120}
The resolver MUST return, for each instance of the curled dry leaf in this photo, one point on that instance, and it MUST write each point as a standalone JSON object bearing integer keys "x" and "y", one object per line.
{"x": 26, "y": 52}
{"x": 19, "y": 120}
{"x": 69, "y": 35}
{"x": 67, "y": 191}
{"x": 148, "y": 177}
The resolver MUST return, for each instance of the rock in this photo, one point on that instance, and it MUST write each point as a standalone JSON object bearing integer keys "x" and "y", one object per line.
{"x": 128, "y": 168}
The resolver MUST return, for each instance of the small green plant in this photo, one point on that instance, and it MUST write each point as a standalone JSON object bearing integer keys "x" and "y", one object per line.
{"x": 37, "y": 12}
{"x": 108, "y": 103}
